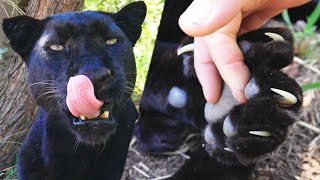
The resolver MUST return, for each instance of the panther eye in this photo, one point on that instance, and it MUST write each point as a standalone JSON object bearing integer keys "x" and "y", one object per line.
{"x": 111, "y": 41}
{"x": 56, "y": 47}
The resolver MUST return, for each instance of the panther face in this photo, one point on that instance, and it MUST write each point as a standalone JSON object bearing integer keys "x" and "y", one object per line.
{"x": 92, "y": 44}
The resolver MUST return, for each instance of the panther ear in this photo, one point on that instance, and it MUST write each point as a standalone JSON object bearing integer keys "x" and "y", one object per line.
{"x": 130, "y": 19}
{"x": 22, "y": 32}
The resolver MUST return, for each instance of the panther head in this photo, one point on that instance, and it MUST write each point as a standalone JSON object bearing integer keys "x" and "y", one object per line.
{"x": 91, "y": 44}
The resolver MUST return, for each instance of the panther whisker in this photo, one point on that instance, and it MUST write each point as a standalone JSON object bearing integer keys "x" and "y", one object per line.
{"x": 40, "y": 83}
{"x": 129, "y": 83}
{"x": 103, "y": 147}
{"x": 76, "y": 144}
{"x": 94, "y": 144}
{"x": 53, "y": 97}
{"x": 53, "y": 92}
{"x": 61, "y": 101}
{"x": 49, "y": 88}
{"x": 54, "y": 107}
{"x": 129, "y": 87}
{"x": 129, "y": 73}
{"x": 128, "y": 90}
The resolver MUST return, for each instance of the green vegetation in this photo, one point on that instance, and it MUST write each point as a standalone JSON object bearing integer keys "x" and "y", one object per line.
{"x": 11, "y": 173}
{"x": 2, "y": 51}
{"x": 312, "y": 20}
{"x": 307, "y": 41}
{"x": 310, "y": 27}
{"x": 144, "y": 47}
{"x": 314, "y": 85}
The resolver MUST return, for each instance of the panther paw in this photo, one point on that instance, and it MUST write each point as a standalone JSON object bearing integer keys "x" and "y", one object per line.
{"x": 260, "y": 125}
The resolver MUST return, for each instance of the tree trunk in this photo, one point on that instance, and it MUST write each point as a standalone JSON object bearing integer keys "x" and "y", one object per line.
{"x": 17, "y": 108}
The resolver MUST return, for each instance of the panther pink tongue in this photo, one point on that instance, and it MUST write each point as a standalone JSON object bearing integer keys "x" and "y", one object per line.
{"x": 81, "y": 99}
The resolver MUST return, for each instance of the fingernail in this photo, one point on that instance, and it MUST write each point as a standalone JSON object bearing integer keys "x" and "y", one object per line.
{"x": 209, "y": 96}
{"x": 239, "y": 96}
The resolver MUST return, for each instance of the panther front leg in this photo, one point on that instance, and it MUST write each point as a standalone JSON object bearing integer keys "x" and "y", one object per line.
{"x": 260, "y": 125}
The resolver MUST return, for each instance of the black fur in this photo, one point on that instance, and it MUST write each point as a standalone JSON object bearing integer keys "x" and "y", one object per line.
{"x": 57, "y": 145}
{"x": 162, "y": 127}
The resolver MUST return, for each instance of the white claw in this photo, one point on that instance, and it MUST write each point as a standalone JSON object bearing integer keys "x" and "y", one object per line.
{"x": 83, "y": 117}
{"x": 274, "y": 36}
{"x": 186, "y": 48}
{"x": 228, "y": 149}
{"x": 261, "y": 133}
{"x": 288, "y": 98}
{"x": 104, "y": 115}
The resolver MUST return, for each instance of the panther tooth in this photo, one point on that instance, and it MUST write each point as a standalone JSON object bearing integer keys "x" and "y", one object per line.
{"x": 186, "y": 48}
{"x": 261, "y": 133}
{"x": 104, "y": 115}
{"x": 228, "y": 149}
{"x": 274, "y": 36}
{"x": 286, "y": 99}
{"x": 82, "y": 117}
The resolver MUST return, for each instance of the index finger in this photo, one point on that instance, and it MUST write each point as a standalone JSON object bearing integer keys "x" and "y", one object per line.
{"x": 228, "y": 57}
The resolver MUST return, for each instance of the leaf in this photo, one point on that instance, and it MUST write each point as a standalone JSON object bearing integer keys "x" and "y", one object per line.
{"x": 314, "y": 85}
{"x": 286, "y": 18}
{"x": 312, "y": 20}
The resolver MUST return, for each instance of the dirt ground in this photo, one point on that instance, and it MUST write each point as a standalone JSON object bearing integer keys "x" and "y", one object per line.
{"x": 297, "y": 158}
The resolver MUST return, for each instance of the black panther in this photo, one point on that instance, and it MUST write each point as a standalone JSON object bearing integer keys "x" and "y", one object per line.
{"x": 234, "y": 135}
{"x": 74, "y": 60}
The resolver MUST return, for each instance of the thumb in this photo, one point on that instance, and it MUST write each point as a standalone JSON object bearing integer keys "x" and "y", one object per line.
{"x": 203, "y": 17}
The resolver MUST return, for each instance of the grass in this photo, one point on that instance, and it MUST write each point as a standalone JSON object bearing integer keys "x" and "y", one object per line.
{"x": 310, "y": 86}
{"x": 2, "y": 52}
{"x": 308, "y": 40}
{"x": 11, "y": 173}
{"x": 144, "y": 47}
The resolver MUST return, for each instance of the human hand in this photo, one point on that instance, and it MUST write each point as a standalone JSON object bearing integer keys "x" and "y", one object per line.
{"x": 215, "y": 25}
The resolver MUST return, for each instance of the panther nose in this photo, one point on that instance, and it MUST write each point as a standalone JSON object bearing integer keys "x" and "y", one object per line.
{"x": 98, "y": 75}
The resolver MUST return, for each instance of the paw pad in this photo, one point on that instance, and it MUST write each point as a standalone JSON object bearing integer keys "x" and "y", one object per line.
{"x": 177, "y": 97}
{"x": 215, "y": 112}
{"x": 251, "y": 89}
{"x": 228, "y": 128}
{"x": 210, "y": 138}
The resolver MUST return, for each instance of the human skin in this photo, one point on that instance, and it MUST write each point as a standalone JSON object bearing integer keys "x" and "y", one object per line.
{"x": 215, "y": 25}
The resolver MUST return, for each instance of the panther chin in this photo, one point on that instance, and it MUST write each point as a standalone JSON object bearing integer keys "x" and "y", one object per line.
{"x": 95, "y": 131}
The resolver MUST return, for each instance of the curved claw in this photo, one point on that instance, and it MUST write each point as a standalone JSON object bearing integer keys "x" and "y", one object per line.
{"x": 274, "y": 36}
{"x": 83, "y": 117}
{"x": 285, "y": 99}
{"x": 228, "y": 149}
{"x": 186, "y": 48}
{"x": 261, "y": 133}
